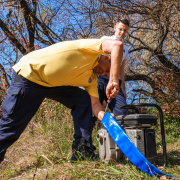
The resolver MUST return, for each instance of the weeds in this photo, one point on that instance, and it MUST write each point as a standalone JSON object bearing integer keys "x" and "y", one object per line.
{"x": 44, "y": 151}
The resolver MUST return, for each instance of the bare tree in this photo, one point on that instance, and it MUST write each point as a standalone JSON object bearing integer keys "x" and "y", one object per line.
{"x": 28, "y": 25}
{"x": 153, "y": 39}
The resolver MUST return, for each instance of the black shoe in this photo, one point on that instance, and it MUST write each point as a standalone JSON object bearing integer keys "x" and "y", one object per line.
{"x": 81, "y": 151}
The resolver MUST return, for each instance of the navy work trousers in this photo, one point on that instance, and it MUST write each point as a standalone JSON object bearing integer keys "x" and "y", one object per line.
{"x": 115, "y": 103}
{"x": 23, "y": 100}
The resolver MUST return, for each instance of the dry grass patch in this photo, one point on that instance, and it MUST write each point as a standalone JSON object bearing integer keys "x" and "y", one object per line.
{"x": 44, "y": 151}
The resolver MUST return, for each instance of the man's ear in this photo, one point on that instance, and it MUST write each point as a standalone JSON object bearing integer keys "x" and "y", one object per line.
{"x": 114, "y": 27}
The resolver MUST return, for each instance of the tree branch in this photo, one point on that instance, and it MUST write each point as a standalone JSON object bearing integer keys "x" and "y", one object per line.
{"x": 143, "y": 43}
{"x": 4, "y": 81}
{"x": 11, "y": 37}
{"x": 29, "y": 24}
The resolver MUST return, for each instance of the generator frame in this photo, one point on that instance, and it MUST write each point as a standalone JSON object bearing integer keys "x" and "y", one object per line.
{"x": 134, "y": 106}
{"x": 114, "y": 152}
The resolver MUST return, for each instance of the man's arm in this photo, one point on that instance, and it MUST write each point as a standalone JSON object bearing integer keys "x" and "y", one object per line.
{"x": 115, "y": 48}
{"x": 97, "y": 108}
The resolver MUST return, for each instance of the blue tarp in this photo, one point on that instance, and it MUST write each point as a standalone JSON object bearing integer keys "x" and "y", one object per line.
{"x": 128, "y": 148}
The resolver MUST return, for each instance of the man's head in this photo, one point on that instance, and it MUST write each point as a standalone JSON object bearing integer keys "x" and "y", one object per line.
{"x": 121, "y": 28}
{"x": 103, "y": 68}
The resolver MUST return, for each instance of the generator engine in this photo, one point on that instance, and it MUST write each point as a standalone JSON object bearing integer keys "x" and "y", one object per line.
{"x": 138, "y": 129}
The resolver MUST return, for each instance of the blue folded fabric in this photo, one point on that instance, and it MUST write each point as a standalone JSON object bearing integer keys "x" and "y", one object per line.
{"x": 128, "y": 148}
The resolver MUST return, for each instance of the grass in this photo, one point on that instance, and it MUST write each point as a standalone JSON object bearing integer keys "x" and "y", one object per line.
{"x": 44, "y": 151}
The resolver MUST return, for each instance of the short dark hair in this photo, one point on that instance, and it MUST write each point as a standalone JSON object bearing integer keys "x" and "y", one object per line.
{"x": 124, "y": 21}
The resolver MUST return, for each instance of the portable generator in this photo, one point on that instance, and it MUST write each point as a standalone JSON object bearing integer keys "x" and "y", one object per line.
{"x": 138, "y": 128}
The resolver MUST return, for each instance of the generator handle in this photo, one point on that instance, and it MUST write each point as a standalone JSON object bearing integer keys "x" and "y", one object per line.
{"x": 133, "y": 106}
{"x": 130, "y": 107}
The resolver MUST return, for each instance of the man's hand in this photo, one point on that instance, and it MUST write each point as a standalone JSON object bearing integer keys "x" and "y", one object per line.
{"x": 97, "y": 108}
{"x": 112, "y": 89}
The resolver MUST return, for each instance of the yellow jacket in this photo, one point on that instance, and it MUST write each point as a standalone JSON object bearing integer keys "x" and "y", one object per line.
{"x": 68, "y": 63}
